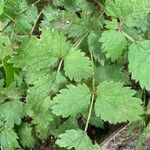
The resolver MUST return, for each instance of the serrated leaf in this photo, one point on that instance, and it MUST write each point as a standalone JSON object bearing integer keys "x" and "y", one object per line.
{"x": 42, "y": 121}
{"x": 25, "y": 135}
{"x": 72, "y": 100}
{"x": 139, "y": 62}
{"x": 112, "y": 25}
{"x": 11, "y": 92}
{"x": 46, "y": 83}
{"x": 8, "y": 139}
{"x": 119, "y": 8}
{"x": 131, "y": 12}
{"x": 116, "y": 103}
{"x": 6, "y": 48}
{"x": 1, "y": 6}
{"x": 26, "y": 20}
{"x": 76, "y": 139}
{"x": 36, "y": 54}
{"x": 113, "y": 44}
{"x": 70, "y": 123}
{"x": 94, "y": 120}
{"x": 11, "y": 112}
{"x": 95, "y": 46}
{"x": 15, "y": 6}
{"x": 77, "y": 66}
{"x": 109, "y": 73}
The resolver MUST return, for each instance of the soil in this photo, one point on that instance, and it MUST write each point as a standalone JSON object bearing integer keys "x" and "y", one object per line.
{"x": 115, "y": 139}
{"x": 119, "y": 140}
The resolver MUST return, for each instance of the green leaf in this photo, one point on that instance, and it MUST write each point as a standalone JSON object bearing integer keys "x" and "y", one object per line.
{"x": 6, "y": 48}
{"x": 42, "y": 122}
{"x": 139, "y": 62}
{"x": 45, "y": 83}
{"x": 70, "y": 123}
{"x": 119, "y": 101}
{"x": 77, "y": 66}
{"x": 109, "y": 73}
{"x": 9, "y": 71}
{"x": 8, "y": 139}
{"x": 130, "y": 12}
{"x": 76, "y": 139}
{"x": 1, "y": 6}
{"x": 26, "y": 20}
{"x": 36, "y": 54}
{"x": 95, "y": 46}
{"x": 112, "y": 25}
{"x": 146, "y": 132}
{"x": 25, "y": 135}
{"x": 15, "y": 6}
{"x": 119, "y": 8}
{"x": 11, "y": 92}
{"x": 113, "y": 44}
{"x": 72, "y": 100}
{"x": 94, "y": 120}
{"x": 11, "y": 112}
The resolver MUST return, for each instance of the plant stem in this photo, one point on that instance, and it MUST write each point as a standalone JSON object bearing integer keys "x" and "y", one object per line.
{"x": 128, "y": 36}
{"x": 14, "y": 21}
{"x": 93, "y": 95}
{"x": 90, "y": 112}
{"x": 76, "y": 45}
{"x": 36, "y": 22}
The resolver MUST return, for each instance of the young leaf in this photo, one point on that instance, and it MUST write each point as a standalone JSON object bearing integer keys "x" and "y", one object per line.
{"x": 8, "y": 139}
{"x": 76, "y": 139}
{"x": 77, "y": 66}
{"x": 139, "y": 62}
{"x": 72, "y": 100}
{"x": 113, "y": 44}
{"x": 116, "y": 103}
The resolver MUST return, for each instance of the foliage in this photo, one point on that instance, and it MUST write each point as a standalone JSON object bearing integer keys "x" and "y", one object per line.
{"x": 66, "y": 64}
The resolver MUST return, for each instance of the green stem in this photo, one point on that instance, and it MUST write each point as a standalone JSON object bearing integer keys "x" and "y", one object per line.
{"x": 77, "y": 44}
{"x": 93, "y": 95}
{"x": 14, "y": 21}
{"x": 90, "y": 112}
{"x": 128, "y": 36}
{"x": 36, "y": 22}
